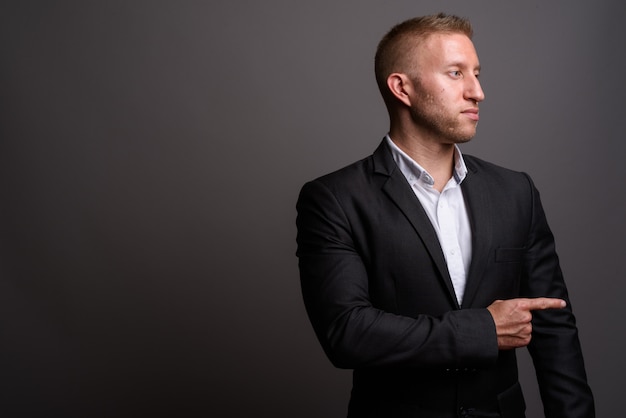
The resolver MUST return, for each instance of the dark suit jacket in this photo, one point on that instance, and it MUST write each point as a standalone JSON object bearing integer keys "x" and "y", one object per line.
{"x": 378, "y": 293}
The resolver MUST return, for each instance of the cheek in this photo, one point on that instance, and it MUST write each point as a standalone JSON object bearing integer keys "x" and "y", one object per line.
{"x": 426, "y": 100}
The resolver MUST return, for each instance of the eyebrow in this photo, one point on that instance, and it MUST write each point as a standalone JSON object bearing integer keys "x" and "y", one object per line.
{"x": 461, "y": 65}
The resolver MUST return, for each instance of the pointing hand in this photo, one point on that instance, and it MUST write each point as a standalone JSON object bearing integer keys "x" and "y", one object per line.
{"x": 512, "y": 318}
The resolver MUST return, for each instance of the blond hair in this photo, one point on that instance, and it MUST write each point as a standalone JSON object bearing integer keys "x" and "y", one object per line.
{"x": 395, "y": 48}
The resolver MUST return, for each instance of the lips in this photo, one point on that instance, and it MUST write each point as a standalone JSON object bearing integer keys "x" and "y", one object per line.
{"x": 471, "y": 113}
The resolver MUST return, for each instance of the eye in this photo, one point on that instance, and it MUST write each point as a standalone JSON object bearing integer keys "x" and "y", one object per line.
{"x": 456, "y": 74}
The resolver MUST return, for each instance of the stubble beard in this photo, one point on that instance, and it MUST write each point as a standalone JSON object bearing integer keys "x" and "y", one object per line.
{"x": 438, "y": 121}
{"x": 450, "y": 129}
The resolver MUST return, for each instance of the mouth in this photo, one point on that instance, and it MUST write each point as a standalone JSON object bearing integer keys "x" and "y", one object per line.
{"x": 471, "y": 113}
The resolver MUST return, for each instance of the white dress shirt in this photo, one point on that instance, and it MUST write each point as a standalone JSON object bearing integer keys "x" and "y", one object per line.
{"x": 446, "y": 211}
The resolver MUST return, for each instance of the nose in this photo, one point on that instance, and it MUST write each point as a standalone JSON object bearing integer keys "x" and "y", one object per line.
{"x": 473, "y": 90}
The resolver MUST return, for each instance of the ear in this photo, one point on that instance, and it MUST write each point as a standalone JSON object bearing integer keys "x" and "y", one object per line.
{"x": 400, "y": 87}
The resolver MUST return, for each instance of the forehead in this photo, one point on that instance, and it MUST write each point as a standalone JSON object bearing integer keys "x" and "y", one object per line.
{"x": 446, "y": 49}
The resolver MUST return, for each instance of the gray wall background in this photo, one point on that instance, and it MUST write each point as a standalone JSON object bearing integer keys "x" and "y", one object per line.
{"x": 151, "y": 154}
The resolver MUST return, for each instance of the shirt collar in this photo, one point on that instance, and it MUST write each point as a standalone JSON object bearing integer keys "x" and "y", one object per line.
{"x": 413, "y": 171}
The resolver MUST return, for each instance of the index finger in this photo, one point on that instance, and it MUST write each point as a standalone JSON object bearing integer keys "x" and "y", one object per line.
{"x": 545, "y": 303}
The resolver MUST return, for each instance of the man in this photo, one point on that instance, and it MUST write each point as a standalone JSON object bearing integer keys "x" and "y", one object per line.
{"x": 424, "y": 269}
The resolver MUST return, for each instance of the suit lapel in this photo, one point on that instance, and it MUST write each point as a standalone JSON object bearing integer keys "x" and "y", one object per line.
{"x": 399, "y": 191}
{"x": 477, "y": 198}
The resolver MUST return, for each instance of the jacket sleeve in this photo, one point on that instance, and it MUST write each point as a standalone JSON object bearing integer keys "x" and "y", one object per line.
{"x": 555, "y": 347}
{"x": 353, "y": 332}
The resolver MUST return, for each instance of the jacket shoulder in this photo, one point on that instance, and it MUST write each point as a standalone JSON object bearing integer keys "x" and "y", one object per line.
{"x": 358, "y": 172}
{"x": 477, "y": 166}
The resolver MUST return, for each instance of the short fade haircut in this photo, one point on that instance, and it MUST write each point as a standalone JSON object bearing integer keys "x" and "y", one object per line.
{"x": 396, "y": 46}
